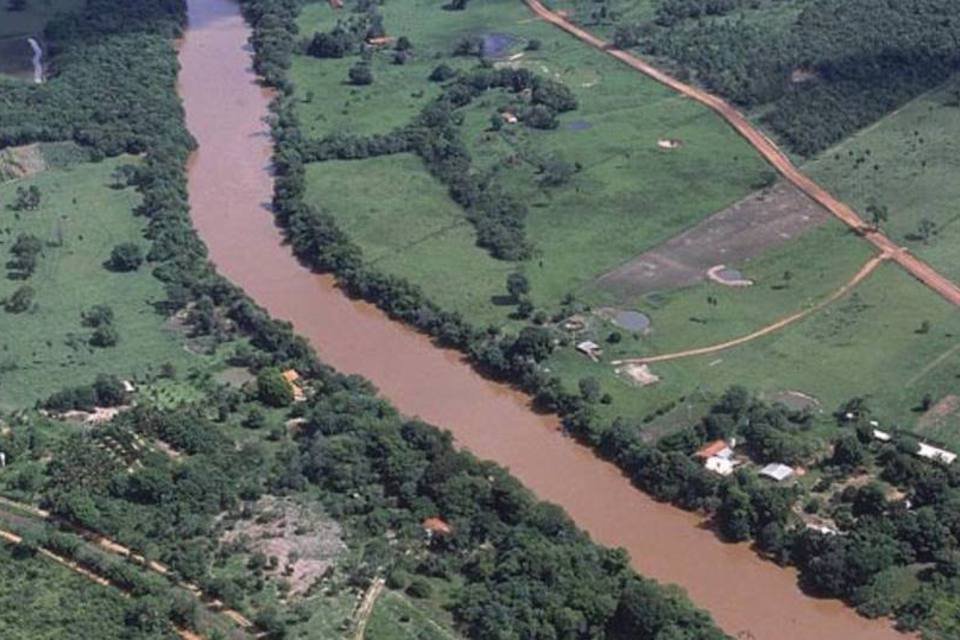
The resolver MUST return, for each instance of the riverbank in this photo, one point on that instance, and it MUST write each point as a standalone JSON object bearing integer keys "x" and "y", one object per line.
{"x": 230, "y": 189}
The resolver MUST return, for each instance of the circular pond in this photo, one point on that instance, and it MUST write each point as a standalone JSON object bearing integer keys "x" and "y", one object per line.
{"x": 631, "y": 320}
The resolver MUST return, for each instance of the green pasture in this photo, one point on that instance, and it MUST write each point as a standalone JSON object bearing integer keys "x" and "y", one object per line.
{"x": 908, "y": 162}
{"x": 80, "y": 218}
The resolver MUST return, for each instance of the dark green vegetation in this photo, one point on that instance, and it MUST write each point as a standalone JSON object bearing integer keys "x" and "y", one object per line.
{"x": 40, "y": 600}
{"x": 820, "y": 69}
{"x": 194, "y": 459}
{"x": 893, "y": 545}
{"x": 881, "y": 565}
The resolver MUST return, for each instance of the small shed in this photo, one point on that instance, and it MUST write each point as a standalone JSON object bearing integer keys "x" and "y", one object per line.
{"x": 936, "y": 454}
{"x": 509, "y": 117}
{"x": 777, "y": 472}
{"x": 882, "y": 436}
{"x": 590, "y": 349}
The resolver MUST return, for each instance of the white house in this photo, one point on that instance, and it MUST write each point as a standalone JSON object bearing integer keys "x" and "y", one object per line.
{"x": 722, "y": 466}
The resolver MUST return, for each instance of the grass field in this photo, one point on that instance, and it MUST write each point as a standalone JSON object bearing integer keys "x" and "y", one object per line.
{"x": 629, "y": 196}
{"x": 397, "y": 617}
{"x": 40, "y": 600}
{"x": 867, "y": 344}
{"x": 908, "y": 162}
{"x": 80, "y": 219}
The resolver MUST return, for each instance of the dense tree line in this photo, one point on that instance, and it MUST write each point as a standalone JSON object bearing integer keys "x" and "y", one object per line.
{"x": 856, "y": 59}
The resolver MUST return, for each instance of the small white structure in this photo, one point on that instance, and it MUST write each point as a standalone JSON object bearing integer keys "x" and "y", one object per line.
{"x": 825, "y": 529}
{"x": 935, "y": 454}
{"x": 882, "y": 436}
{"x": 777, "y": 472}
{"x": 721, "y": 466}
{"x": 128, "y": 386}
{"x": 590, "y": 349}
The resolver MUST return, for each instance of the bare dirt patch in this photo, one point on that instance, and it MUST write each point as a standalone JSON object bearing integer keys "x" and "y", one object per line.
{"x": 742, "y": 231}
{"x": 639, "y": 373}
{"x": 21, "y": 162}
{"x": 304, "y": 541}
{"x": 939, "y": 413}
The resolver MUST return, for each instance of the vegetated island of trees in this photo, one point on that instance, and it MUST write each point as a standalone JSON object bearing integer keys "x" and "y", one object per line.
{"x": 113, "y": 90}
{"x": 857, "y": 565}
{"x": 835, "y": 67}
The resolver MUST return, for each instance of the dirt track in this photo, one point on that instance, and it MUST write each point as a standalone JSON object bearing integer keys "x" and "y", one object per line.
{"x": 866, "y": 270}
{"x": 769, "y": 150}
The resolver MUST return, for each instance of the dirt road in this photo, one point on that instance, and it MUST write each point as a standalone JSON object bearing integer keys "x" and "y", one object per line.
{"x": 769, "y": 150}
{"x": 866, "y": 270}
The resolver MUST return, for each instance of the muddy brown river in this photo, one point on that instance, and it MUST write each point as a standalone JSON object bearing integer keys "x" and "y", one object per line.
{"x": 230, "y": 188}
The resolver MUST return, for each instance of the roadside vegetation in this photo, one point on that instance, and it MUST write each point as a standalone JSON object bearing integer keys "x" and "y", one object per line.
{"x": 815, "y": 71}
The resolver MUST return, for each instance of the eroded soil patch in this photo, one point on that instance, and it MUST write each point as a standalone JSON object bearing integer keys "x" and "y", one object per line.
{"x": 742, "y": 231}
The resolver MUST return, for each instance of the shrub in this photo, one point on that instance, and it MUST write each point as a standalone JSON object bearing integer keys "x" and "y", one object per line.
{"x": 272, "y": 389}
{"x": 127, "y": 256}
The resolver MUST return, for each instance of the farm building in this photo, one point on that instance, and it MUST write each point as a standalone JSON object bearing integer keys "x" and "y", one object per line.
{"x": 938, "y": 455}
{"x": 717, "y": 448}
{"x": 437, "y": 527}
{"x": 777, "y": 472}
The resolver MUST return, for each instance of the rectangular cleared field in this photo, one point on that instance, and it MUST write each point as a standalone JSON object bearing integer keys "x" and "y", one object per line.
{"x": 79, "y": 220}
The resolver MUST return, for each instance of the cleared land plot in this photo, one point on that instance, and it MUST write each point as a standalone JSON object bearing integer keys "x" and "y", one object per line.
{"x": 79, "y": 220}
{"x": 748, "y": 228}
{"x": 868, "y": 344}
{"x": 908, "y": 162}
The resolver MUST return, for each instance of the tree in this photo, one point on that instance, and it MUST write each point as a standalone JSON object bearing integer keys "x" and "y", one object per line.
{"x": 518, "y": 285}
{"x": 109, "y": 391}
{"x": 97, "y": 316}
{"x": 28, "y": 198}
{"x": 403, "y": 44}
{"x": 127, "y": 256}
{"x": 104, "y": 336}
{"x": 20, "y": 300}
{"x": 735, "y": 516}
{"x": 360, "y": 74}
{"x": 590, "y": 389}
{"x": 878, "y": 214}
{"x": 25, "y": 251}
{"x": 442, "y": 73}
{"x": 848, "y": 452}
{"x": 273, "y": 389}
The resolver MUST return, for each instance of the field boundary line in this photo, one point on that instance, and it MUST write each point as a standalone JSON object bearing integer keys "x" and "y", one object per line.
{"x": 770, "y": 151}
{"x": 782, "y": 323}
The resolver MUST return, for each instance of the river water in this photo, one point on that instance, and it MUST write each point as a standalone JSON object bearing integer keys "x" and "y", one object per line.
{"x": 230, "y": 188}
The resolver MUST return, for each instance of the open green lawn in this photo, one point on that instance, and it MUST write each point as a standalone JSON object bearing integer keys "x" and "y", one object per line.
{"x": 79, "y": 220}
{"x": 908, "y": 162}
{"x": 40, "y": 600}
{"x": 629, "y": 196}
{"x": 397, "y": 617}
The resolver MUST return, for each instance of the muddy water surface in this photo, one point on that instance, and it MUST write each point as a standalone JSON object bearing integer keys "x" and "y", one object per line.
{"x": 230, "y": 186}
